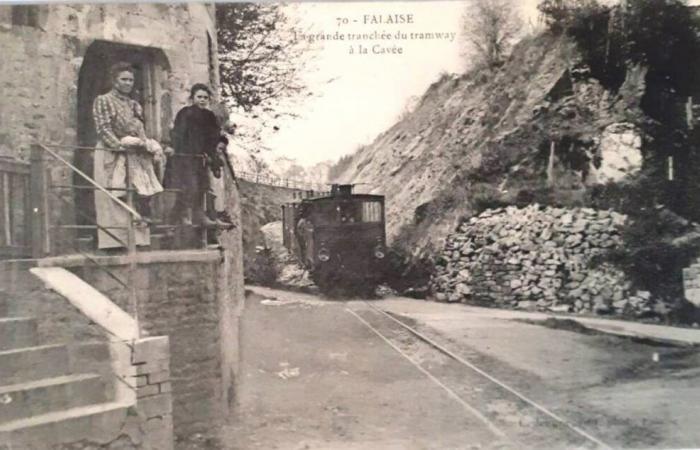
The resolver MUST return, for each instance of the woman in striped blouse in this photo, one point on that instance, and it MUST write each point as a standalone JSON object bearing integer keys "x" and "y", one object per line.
{"x": 120, "y": 129}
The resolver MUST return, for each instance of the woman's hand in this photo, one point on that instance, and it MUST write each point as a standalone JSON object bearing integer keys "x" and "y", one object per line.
{"x": 169, "y": 151}
{"x": 131, "y": 141}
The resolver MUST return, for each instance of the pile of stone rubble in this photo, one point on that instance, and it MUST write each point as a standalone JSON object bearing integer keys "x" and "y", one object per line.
{"x": 537, "y": 258}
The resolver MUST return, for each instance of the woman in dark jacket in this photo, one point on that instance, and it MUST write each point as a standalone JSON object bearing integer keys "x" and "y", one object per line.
{"x": 194, "y": 138}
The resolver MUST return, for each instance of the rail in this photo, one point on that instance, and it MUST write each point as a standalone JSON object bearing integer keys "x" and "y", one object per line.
{"x": 272, "y": 180}
{"x": 48, "y": 208}
{"x": 83, "y": 187}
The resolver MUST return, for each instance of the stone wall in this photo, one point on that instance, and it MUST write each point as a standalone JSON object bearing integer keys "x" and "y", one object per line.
{"x": 193, "y": 297}
{"x": 540, "y": 258}
{"x": 42, "y": 64}
{"x": 150, "y": 377}
{"x": 135, "y": 372}
{"x": 48, "y": 67}
{"x": 24, "y": 295}
{"x": 182, "y": 295}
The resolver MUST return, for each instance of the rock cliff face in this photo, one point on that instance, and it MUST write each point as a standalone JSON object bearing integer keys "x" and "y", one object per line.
{"x": 538, "y": 126}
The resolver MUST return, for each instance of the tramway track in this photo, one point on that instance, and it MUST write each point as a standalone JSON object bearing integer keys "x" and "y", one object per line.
{"x": 514, "y": 419}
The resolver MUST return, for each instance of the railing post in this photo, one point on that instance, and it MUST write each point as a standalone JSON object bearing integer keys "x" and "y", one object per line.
{"x": 39, "y": 201}
{"x": 131, "y": 246}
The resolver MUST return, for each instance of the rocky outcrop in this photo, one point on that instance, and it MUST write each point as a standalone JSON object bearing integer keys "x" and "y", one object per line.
{"x": 538, "y": 123}
{"x": 538, "y": 258}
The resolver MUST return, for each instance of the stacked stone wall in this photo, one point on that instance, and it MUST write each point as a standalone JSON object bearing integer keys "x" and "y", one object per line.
{"x": 537, "y": 257}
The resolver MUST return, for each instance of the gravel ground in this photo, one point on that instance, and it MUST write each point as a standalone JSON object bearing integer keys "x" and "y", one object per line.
{"x": 315, "y": 377}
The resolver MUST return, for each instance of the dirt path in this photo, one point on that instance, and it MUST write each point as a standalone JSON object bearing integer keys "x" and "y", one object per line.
{"x": 315, "y": 376}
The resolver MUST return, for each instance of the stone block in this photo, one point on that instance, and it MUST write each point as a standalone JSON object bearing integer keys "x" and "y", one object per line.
{"x": 159, "y": 438}
{"x": 166, "y": 387}
{"x": 137, "y": 381}
{"x": 151, "y": 349}
{"x": 147, "y": 391}
{"x": 156, "y": 405}
{"x": 158, "y": 377}
{"x": 153, "y": 367}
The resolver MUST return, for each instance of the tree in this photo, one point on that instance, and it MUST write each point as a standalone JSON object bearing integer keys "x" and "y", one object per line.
{"x": 490, "y": 28}
{"x": 261, "y": 59}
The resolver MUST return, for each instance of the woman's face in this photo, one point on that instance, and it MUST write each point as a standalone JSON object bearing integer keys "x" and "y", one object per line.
{"x": 124, "y": 82}
{"x": 201, "y": 98}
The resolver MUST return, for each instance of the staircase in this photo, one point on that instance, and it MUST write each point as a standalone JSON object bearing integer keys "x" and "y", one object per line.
{"x": 44, "y": 401}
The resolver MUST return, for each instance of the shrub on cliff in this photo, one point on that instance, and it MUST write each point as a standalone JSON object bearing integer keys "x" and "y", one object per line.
{"x": 660, "y": 34}
{"x": 262, "y": 268}
{"x": 657, "y": 244}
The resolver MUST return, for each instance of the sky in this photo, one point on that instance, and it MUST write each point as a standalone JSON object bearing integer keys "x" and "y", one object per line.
{"x": 369, "y": 91}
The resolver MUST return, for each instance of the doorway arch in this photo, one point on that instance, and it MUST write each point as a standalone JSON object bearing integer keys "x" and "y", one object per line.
{"x": 151, "y": 90}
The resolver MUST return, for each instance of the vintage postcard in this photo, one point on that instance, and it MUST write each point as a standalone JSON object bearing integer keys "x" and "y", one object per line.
{"x": 467, "y": 224}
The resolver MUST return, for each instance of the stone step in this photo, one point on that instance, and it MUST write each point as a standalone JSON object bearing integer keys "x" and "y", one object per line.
{"x": 4, "y": 307}
{"x": 94, "y": 423}
{"x": 33, "y": 363}
{"x": 24, "y": 400}
{"x": 17, "y": 332}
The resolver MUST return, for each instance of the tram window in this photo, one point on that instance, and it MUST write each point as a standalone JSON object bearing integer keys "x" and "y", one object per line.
{"x": 371, "y": 211}
{"x": 348, "y": 212}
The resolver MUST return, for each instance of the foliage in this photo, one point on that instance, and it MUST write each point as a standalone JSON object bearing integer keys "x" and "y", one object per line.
{"x": 263, "y": 268}
{"x": 660, "y": 34}
{"x": 261, "y": 60}
{"x": 490, "y": 28}
{"x": 657, "y": 244}
{"x": 407, "y": 273}
{"x": 558, "y": 15}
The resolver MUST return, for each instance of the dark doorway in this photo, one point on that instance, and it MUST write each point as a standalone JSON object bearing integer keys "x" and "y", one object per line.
{"x": 150, "y": 71}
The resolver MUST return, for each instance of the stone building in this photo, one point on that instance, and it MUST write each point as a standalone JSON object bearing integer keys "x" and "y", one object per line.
{"x": 56, "y": 60}
{"x": 180, "y": 326}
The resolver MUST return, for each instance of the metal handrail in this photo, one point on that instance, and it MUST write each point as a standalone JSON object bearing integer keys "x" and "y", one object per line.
{"x": 85, "y": 216}
{"x": 131, "y": 238}
{"x": 114, "y": 150}
{"x": 271, "y": 180}
{"x": 99, "y": 187}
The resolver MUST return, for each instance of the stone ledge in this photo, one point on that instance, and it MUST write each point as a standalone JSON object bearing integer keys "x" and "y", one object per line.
{"x": 154, "y": 257}
{"x": 151, "y": 349}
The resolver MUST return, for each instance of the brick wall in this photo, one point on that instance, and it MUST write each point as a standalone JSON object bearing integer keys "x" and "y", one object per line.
{"x": 150, "y": 377}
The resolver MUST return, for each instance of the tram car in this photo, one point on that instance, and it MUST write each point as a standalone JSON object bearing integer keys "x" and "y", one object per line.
{"x": 339, "y": 238}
